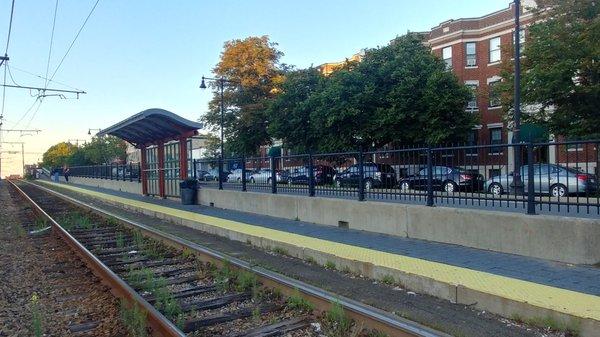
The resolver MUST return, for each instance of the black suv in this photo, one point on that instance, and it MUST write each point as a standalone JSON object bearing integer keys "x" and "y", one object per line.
{"x": 375, "y": 176}
{"x": 323, "y": 175}
{"x": 448, "y": 179}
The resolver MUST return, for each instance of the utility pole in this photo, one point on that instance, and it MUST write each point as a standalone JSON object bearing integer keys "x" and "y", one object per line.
{"x": 76, "y": 141}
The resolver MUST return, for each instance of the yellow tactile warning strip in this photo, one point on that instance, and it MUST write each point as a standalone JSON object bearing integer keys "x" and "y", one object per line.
{"x": 556, "y": 299}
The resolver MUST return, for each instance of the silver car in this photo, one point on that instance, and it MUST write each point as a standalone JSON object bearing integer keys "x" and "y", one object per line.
{"x": 550, "y": 179}
{"x": 264, "y": 176}
{"x": 236, "y": 175}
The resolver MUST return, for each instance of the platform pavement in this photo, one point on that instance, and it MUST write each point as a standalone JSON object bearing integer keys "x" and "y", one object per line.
{"x": 570, "y": 289}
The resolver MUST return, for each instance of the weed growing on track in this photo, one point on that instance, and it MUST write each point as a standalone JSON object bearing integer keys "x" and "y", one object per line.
{"x": 165, "y": 301}
{"x": 120, "y": 239}
{"x": 40, "y": 223}
{"x": 36, "y": 316}
{"x": 246, "y": 281}
{"x": 311, "y": 260}
{"x": 280, "y": 251}
{"x": 376, "y": 333}
{"x": 187, "y": 253}
{"x": 330, "y": 265}
{"x": 336, "y": 322}
{"x": 548, "y": 323}
{"x": 388, "y": 279}
{"x": 134, "y": 319}
{"x": 256, "y": 314}
{"x": 297, "y": 302}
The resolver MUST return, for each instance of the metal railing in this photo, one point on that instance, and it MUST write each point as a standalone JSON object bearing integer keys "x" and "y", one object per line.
{"x": 553, "y": 177}
{"x": 123, "y": 172}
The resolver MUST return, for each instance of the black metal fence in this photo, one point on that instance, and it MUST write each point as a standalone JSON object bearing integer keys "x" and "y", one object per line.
{"x": 125, "y": 172}
{"x": 555, "y": 177}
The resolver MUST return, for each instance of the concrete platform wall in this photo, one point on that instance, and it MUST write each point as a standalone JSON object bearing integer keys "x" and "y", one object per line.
{"x": 565, "y": 239}
{"x": 117, "y": 185}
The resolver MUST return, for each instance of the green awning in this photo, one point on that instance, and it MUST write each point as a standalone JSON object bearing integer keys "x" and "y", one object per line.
{"x": 534, "y": 133}
{"x": 274, "y": 151}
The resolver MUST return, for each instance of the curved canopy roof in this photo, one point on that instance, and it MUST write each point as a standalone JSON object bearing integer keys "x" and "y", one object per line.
{"x": 152, "y": 125}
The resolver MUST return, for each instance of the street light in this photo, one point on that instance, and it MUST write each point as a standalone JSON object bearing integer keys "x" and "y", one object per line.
{"x": 517, "y": 183}
{"x": 90, "y": 131}
{"x": 221, "y": 81}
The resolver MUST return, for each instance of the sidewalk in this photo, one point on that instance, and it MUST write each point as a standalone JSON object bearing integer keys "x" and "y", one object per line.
{"x": 562, "y": 288}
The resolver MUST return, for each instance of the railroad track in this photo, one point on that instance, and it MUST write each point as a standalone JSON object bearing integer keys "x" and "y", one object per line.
{"x": 174, "y": 287}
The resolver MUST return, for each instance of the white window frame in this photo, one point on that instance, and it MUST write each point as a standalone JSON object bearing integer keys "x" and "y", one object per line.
{"x": 447, "y": 60}
{"x": 473, "y": 56}
{"x": 490, "y": 86}
{"x": 474, "y": 86}
{"x": 495, "y": 53}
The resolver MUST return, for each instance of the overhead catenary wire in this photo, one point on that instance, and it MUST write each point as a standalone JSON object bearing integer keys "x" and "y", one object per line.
{"x": 36, "y": 75}
{"x": 51, "y": 42}
{"x": 75, "y": 39}
{"x": 12, "y": 11}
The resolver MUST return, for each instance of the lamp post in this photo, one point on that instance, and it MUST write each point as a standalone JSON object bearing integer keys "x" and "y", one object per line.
{"x": 517, "y": 183}
{"x": 221, "y": 82}
{"x": 91, "y": 129}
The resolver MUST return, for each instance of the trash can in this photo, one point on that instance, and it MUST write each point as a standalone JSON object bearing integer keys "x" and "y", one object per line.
{"x": 188, "y": 190}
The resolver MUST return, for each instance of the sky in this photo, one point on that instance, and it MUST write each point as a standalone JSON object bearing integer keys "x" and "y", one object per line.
{"x": 139, "y": 54}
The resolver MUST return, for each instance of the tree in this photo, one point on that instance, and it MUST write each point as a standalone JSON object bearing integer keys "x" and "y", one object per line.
{"x": 253, "y": 63}
{"x": 400, "y": 93}
{"x": 290, "y": 113}
{"x": 213, "y": 146}
{"x": 58, "y": 154}
{"x": 561, "y": 69}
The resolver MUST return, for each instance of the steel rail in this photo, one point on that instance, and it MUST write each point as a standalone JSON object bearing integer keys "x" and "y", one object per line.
{"x": 372, "y": 317}
{"x": 159, "y": 324}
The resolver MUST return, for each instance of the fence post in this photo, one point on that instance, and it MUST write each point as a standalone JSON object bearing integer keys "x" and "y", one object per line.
{"x": 361, "y": 176}
{"x": 139, "y": 168}
{"x": 130, "y": 171}
{"x": 220, "y": 179}
{"x": 429, "y": 177}
{"x": 311, "y": 176}
{"x": 111, "y": 171}
{"x": 243, "y": 177}
{"x": 530, "y": 177}
{"x": 273, "y": 176}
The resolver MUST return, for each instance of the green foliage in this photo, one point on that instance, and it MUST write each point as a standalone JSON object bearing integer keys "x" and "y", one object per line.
{"x": 560, "y": 69}
{"x": 36, "y": 316}
{"x": 165, "y": 301}
{"x": 297, "y": 302}
{"x": 224, "y": 277}
{"x": 548, "y": 323}
{"x": 58, "y": 155}
{"x": 280, "y": 251}
{"x": 134, "y": 318}
{"x": 254, "y": 63}
{"x": 336, "y": 322}
{"x": 330, "y": 265}
{"x": 388, "y": 279}
{"x": 120, "y": 239}
{"x": 399, "y": 93}
{"x": 246, "y": 281}
{"x": 142, "y": 279}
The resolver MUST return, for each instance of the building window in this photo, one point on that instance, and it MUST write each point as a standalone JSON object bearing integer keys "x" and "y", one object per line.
{"x": 471, "y": 52}
{"x": 495, "y": 53}
{"x": 472, "y": 140}
{"x": 495, "y": 138}
{"x": 472, "y": 105}
{"x": 447, "y": 57}
{"x": 521, "y": 39}
{"x": 494, "y": 94}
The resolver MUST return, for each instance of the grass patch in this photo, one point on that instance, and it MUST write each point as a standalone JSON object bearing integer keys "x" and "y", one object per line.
{"x": 297, "y": 302}
{"x": 336, "y": 322}
{"x": 187, "y": 253}
{"x": 330, "y": 265}
{"x": 548, "y": 323}
{"x": 36, "y": 316}
{"x": 388, "y": 279}
{"x": 134, "y": 319}
{"x": 120, "y": 240}
{"x": 311, "y": 260}
{"x": 280, "y": 251}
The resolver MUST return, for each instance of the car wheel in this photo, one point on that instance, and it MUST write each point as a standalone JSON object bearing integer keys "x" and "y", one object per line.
{"x": 252, "y": 180}
{"x": 558, "y": 190}
{"x": 368, "y": 184}
{"x": 450, "y": 187}
{"x": 495, "y": 189}
{"x": 404, "y": 186}
{"x": 338, "y": 184}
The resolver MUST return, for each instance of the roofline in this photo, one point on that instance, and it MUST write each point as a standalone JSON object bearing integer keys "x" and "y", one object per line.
{"x": 141, "y": 115}
{"x": 510, "y": 5}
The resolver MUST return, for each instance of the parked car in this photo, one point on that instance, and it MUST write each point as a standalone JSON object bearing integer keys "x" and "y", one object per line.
{"x": 449, "y": 179}
{"x": 264, "y": 176}
{"x": 551, "y": 179}
{"x": 204, "y": 175}
{"x": 323, "y": 175}
{"x": 374, "y": 176}
{"x": 236, "y": 175}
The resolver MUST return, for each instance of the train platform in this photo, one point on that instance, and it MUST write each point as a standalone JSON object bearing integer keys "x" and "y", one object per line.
{"x": 509, "y": 285}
